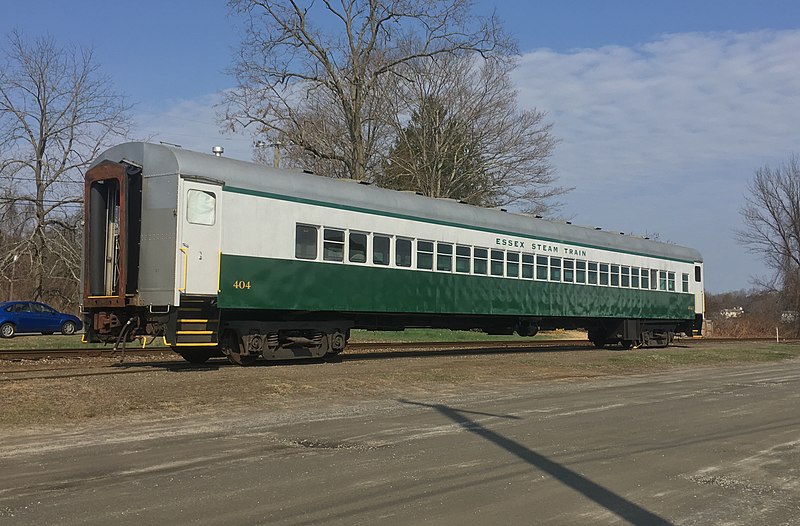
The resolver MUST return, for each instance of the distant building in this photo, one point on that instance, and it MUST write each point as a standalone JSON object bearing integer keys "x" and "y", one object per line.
{"x": 735, "y": 312}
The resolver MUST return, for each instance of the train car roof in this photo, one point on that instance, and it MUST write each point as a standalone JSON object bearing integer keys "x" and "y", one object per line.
{"x": 159, "y": 159}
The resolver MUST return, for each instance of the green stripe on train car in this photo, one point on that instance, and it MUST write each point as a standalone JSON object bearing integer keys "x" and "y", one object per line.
{"x": 264, "y": 283}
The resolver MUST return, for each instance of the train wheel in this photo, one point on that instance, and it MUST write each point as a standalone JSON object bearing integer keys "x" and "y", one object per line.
{"x": 338, "y": 341}
{"x": 233, "y": 348}
{"x": 599, "y": 343}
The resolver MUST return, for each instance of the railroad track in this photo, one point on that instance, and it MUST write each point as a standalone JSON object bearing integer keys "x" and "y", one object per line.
{"x": 84, "y": 352}
{"x": 356, "y": 347}
{"x": 162, "y": 359}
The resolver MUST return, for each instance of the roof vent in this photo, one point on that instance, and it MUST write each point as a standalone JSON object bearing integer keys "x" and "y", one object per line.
{"x": 218, "y": 151}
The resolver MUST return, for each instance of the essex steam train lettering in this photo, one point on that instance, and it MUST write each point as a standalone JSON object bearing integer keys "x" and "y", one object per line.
{"x": 534, "y": 246}
{"x": 227, "y": 258}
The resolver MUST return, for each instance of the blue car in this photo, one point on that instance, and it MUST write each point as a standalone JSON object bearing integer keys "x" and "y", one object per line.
{"x": 31, "y": 316}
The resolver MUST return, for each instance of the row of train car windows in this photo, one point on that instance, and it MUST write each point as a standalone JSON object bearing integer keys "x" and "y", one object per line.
{"x": 476, "y": 260}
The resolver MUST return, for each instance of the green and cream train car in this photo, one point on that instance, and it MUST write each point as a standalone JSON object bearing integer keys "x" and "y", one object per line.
{"x": 220, "y": 256}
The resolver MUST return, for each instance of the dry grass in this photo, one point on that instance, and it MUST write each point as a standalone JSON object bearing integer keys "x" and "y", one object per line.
{"x": 169, "y": 388}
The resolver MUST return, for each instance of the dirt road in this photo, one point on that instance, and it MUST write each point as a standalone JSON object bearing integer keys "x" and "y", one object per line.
{"x": 442, "y": 440}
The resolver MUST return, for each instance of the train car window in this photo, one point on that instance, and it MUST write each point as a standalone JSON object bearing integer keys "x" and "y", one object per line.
{"x": 653, "y": 279}
{"x": 444, "y": 257}
{"x": 635, "y": 277}
{"x": 480, "y": 263}
{"x": 580, "y": 272}
{"x": 615, "y": 275}
{"x": 527, "y": 266}
{"x": 333, "y": 245}
{"x": 425, "y": 255}
{"x": 555, "y": 269}
{"x": 645, "y": 278}
{"x": 592, "y": 273}
{"x": 201, "y": 207}
{"x": 402, "y": 252}
{"x": 541, "y": 267}
{"x": 497, "y": 262}
{"x": 625, "y": 280}
{"x": 662, "y": 280}
{"x": 685, "y": 282}
{"x": 569, "y": 270}
{"x": 463, "y": 257}
{"x": 305, "y": 242}
{"x": 380, "y": 250}
{"x": 357, "y": 247}
{"x": 697, "y": 273}
{"x": 671, "y": 281}
{"x": 512, "y": 264}
{"x": 604, "y": 273}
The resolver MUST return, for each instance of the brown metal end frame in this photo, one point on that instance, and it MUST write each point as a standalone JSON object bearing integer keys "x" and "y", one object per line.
{"x": 105, "y": 171}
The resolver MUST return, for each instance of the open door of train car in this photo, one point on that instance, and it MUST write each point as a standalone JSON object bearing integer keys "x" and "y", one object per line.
{"x": 112, "y": 225}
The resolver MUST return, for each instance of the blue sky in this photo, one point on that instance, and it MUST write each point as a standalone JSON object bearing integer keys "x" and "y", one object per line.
{"x": 664, "y": 109}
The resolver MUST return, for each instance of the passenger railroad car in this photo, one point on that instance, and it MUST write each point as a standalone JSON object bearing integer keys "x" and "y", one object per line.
{"x": 223, "y": 256}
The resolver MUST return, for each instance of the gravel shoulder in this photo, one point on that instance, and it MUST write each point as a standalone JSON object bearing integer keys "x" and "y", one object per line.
{"x": 57, "y": 393}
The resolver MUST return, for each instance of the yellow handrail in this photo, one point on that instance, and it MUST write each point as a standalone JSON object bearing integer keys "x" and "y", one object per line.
{"x": 185, "y": 253}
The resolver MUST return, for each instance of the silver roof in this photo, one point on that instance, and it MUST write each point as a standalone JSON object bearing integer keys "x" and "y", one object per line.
{"x": 157, "y": 159}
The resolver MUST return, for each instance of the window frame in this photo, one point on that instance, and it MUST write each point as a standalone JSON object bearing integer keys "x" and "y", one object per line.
{"x": 388, "y": 254}
{"x": 480, "y": 261}
{"x": 297, "y": 228}
{"x": 529, "y": 265}
{"x": 397, "y": 259}
{"x": 461, "y": 257}
{"x": 497, "y": 257}
{"x": 593, "y": 273}
{"x": 190, "y": 210}
{"x": 604, "y": 270}
{"x": 542, "y": 268}
{"x": 326, "y": 242}
{"x": 350, "y": 234}
{"x": 614, "y": 273}
{"x": 425, "y": 253}
{"x": 447, "y": 255}
{"x": 512, "y": 264}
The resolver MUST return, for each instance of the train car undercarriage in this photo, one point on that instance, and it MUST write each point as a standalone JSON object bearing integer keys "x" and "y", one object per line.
{"x": 198, "y": 330}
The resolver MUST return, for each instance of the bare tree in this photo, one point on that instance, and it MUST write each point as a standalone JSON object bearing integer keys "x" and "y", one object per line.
{"x": 772, "y": 227}
{"x": 467, "y": 139}
{"x": 57, "y": 112}
{"x": 313, "y": 74}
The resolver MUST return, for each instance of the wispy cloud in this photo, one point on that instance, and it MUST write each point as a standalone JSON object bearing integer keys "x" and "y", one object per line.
{"x": 192, "y": 124}
{"x": 664, "y": 135}
{"x": 680, "y": 100}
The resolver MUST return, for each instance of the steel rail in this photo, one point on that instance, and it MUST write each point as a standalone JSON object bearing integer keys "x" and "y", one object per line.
{"x": 362, "y": 347}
